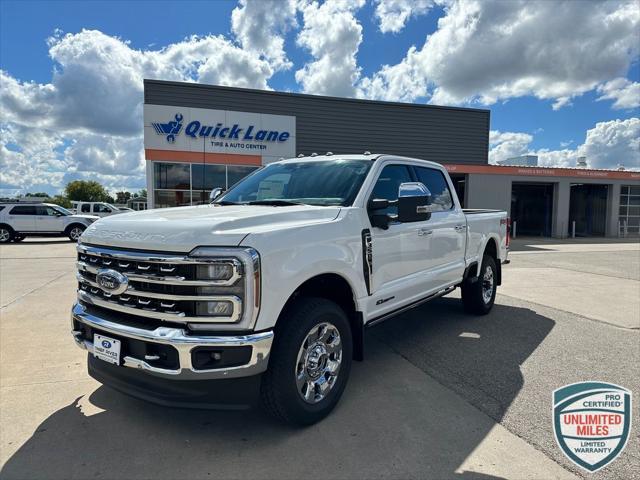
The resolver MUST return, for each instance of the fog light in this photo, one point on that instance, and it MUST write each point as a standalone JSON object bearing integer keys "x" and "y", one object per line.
{"x": 215, "y": 271}
{"x": 214, "y": 309}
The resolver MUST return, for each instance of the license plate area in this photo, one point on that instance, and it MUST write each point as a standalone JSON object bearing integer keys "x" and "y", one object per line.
{"x": 106, "y": 348}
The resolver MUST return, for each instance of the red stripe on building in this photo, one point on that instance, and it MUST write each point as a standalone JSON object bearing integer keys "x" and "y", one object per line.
{"x": 201, "y": 157}
{"x": 542, "y": 171}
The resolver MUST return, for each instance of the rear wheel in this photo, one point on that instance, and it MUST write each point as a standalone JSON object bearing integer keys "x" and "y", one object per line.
{"x": 310, "y": 362}
{"x": 6, "y": 234}
{"x": 479, "y": 294}
{"x": 74, "y": 232}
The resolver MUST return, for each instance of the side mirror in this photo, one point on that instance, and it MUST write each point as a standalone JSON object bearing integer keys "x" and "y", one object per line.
{"x": 414, "y": 202}
{"x": 215, "y": 193}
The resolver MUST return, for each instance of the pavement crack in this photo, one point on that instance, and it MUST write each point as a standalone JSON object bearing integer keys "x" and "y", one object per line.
{"x": 34, "y": 290}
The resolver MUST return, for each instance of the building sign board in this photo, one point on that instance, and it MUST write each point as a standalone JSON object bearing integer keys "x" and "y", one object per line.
{"x": 181, "y": 129}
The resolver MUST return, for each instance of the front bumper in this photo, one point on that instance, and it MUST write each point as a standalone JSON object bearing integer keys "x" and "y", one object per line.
{"x": 186, "y": 346}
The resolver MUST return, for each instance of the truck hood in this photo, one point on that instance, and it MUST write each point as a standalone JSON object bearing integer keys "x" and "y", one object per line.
{"x": 184, "y": 228}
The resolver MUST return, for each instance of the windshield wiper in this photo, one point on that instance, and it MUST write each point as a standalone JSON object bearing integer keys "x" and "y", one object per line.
{"x": 275, "y": 202}
{"x": 226, "y": 202}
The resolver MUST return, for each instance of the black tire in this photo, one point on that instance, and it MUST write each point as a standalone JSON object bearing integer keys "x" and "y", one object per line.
{"x": 279, "y": 391}
{"x": 475, "y": 292}
{"x": 18, "y": 237}
{"x": 6, "y": 234}
{"x": 72, "y": 231}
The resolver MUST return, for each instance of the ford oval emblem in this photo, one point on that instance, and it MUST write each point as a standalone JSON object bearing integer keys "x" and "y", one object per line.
{"x": 106, "y": 344}
{"x": 111, "y": 281}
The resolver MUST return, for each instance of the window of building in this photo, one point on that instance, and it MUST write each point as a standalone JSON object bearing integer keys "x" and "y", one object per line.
{"x": 629, "y": 214}
{"x": 436, "y": 183}
{"x": 23, "y": 210}
{"x": 180, "y": 184}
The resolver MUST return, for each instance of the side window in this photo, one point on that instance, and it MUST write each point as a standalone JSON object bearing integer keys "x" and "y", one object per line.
{"x": 101, "y": 208}
{"x": 86, "y": 208}
{"x": 388, "y": 183}
{"x": 23, "y": 210}
{"x": 1, "y": 207}
{"x": 434, "y": 180}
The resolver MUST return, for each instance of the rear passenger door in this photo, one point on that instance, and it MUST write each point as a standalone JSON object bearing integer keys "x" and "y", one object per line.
{"x": 445, "y": 244}
{"x": 22, "y": 218}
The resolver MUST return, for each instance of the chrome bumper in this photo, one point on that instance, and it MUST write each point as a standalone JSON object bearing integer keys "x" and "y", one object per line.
{"x": 183, "y": 343}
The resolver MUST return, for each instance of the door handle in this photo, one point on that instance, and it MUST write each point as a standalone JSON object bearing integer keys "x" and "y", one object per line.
{"x": 459, "y": 228}
{"x": 422, "y": 232}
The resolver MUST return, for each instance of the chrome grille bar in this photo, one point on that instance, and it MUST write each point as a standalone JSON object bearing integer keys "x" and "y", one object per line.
{"x": 136, "y": 277}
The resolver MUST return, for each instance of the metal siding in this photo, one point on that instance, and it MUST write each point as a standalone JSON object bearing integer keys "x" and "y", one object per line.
{"x": 440, "y": 134}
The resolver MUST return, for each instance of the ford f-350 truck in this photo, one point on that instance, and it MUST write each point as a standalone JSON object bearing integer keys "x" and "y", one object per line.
{"x": 266, "y": 292}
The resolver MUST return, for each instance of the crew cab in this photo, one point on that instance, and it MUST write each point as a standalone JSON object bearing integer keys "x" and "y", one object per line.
{"x": 19, "y": 220}
{"x": 266, "y": 291}
{"x": 100, "y": 209}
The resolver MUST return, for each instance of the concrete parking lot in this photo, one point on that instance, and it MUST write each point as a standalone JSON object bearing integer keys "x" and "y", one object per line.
{"x": 439, "y": 395}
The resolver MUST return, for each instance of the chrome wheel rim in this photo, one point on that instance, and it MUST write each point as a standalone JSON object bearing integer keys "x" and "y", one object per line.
{"x": 318, "y": 362}
{"x": 4, "y": 235}
{"x": 487, "y": 284}
{"x": 75, "y": 233}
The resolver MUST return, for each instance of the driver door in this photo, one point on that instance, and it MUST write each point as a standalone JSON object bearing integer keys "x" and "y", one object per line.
{"x": 48, "y": 219}
{"x": 399, "y": 253}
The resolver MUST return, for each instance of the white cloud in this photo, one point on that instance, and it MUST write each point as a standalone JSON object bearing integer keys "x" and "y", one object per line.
{"x": 626, "y": 94}
{"x": 607, "y": 145}
{"x": 260, "y": 26}
{"x": 332, "y": 35}
{"x": 89, "y": 117}
{"x": 394, "y": 14}
{"x": 488, "y": 51}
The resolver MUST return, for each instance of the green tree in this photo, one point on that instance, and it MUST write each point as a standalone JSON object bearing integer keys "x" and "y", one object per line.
{"x": 141, "y": 193}
{"x": 60, "y": 200}
{"x": 86, "y": 191}
{"x": 123, "y": 197}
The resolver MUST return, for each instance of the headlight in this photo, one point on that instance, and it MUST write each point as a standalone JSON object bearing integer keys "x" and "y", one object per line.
{"x": 216, "y": 271}
{"x": 233, "y": 284}
{"x": 214, "y": 309}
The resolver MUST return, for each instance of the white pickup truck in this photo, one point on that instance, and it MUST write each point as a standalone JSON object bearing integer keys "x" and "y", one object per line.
{"x": 266, "y": 292}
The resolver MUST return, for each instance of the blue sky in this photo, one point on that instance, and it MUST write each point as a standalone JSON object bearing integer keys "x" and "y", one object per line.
{"x": 25, "y": 57}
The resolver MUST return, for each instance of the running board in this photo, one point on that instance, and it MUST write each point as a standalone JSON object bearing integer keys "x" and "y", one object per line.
{"x": 415, "y": 304}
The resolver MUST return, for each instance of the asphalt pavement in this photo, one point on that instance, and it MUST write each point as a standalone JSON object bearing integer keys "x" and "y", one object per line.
{"x": 439, "y": 395}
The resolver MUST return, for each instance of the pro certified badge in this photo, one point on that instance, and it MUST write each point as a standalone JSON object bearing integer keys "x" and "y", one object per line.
{"x": 591, "y": 422}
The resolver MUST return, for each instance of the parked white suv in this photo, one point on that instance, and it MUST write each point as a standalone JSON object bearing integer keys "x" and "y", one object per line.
{"x": 269, "y": 289}
{"x": 21, "y": 219}
{"x": 100, "y": 209}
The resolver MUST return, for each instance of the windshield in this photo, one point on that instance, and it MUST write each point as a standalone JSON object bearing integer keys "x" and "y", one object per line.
{"x": 62, "y": 210}
{"x": 334, "y": 182}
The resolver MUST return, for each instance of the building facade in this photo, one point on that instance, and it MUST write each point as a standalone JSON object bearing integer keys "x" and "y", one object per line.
{"x": 199, "y": 137}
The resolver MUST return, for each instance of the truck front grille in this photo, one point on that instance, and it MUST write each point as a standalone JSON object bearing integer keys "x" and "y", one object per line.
{"x": 159, "y": 286}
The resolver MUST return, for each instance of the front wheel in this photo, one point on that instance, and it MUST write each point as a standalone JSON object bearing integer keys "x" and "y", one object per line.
{"x": 310, "y": 362}
{"x": 74, "y": 232}
{"x": 479, "y": 295}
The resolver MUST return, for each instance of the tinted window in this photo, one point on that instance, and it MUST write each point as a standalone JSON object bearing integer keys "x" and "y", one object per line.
{"x": 208, "y": 177}
{"x": 1, "y": 207}
{"x": 388, "y": 183}
{"x": 23, "y": 210}
{"x": 101, "y": 208}
{"x": 172, "y": 175}
{"x": 235, "y": 173}
{"x": 86, "y": 208}
{"x": 436, "y": 183}
{"x": 44, "y": 210}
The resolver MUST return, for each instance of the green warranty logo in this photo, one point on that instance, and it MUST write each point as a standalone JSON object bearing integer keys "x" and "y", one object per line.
{"x": 591, "y": 422}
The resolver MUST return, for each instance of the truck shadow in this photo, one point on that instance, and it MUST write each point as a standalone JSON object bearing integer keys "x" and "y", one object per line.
{"x": 393, "y": 421}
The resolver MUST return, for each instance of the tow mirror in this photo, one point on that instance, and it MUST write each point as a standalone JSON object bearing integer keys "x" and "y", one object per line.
{"x": 215, "y": 193}
{"x": 414, "y": 202}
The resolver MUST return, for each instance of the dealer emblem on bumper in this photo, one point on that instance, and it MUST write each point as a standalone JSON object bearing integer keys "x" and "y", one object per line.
{"x": 591, "y": 422}
{"x": 111, "y": 281}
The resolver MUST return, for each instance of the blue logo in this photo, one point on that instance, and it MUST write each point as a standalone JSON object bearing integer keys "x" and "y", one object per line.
{"x": 170, "y": 129}
{"x": 591, "y": 422}
{"x": 111, "y": 281}
{"x": 218, "y": 131}
{"x": 106, "y": 343}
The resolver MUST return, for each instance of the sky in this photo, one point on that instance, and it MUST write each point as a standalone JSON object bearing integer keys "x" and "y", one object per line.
{"x": 562, "y": 79}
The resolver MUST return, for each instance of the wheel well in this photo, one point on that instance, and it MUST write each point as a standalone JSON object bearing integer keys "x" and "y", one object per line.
{"x": 491, "y": 249}
{"x": 7, "y": 227}
{"x": 75, "y": 224}
{"x": 335, "y": 288}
